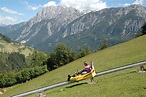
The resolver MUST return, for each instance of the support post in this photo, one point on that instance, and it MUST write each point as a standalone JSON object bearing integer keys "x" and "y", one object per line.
{"x": 40, "y": 94}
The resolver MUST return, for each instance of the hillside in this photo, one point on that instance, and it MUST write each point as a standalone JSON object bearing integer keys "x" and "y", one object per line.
{"x": 12, "y": 54}
{"x": 8, "y": 46}
{"x": 125, "y": 83}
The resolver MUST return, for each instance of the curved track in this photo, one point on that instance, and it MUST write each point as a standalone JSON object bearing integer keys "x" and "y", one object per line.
{"x": 67, "y": 82}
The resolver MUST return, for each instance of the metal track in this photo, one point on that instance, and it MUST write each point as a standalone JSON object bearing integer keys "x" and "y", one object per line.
{"x": 41, "y": 89}
{"x": 66, "y": 82}
{"x": 120, "y": 68}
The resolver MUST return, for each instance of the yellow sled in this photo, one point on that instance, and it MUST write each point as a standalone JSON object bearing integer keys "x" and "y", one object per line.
{"x": 80, "y": 77}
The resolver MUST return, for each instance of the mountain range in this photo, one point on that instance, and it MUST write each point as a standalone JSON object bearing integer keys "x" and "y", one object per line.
{"x": 57, "y": 24}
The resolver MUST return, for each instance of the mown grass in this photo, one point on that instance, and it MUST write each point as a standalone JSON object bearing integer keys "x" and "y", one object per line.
{"x": 125, "y": 83}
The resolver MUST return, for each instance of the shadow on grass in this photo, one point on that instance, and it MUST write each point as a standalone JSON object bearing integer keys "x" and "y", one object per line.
{"x": 134, "y": 71}
{"x": 77, "y": 85}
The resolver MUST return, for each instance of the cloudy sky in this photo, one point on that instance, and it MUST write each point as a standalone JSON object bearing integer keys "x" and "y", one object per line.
{"x": 16, "y": 11}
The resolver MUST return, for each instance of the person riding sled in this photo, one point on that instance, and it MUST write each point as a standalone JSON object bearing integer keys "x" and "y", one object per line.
{"x": 86, "y": 69}
{"x": 83, "y": 71}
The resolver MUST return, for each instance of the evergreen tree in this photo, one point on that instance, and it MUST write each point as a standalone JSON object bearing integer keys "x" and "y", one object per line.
{"x": 37, "y": 59}
{"x": 84, "y": 52}
{"x": 88, "y": 50}
{"x": 142, "y": 32}
{"x": 103, "y": 45}
{"x": 143, "y": 29}
{"x": 81, "y": 53}
{"x": 60, "y": 56}
{"x": 16, "y": 61}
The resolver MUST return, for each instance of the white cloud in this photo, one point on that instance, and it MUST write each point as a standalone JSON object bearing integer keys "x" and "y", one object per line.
{"x": 126, "y": 4}
{"x": 85, "y": 4}
{"x": 139, "y": 2}
{"x": 7, "y": 20}
{"x": 31, "y": 7}
{"x": 51, "y": 3}
{"x": 9, "y": 11}
{"x": 135, "y": 2}
{"x": 80, "y": 4}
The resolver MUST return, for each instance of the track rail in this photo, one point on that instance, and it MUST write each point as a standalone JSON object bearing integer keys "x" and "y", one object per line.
{"x": 41, "y": 89}
{"x": 67, "y": 82}
{"x": 120, "y": 68}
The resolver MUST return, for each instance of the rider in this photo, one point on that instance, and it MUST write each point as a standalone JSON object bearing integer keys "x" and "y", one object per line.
{"x": 86, "y": 69}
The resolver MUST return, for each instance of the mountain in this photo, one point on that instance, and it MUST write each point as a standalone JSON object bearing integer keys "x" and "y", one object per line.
{"x": 113, "y": 25}
{"x": 44, "y": 25}
{"x": 56, "y": 24}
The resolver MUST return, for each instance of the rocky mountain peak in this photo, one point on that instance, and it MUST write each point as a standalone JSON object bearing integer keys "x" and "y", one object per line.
{"x": 137, "y": 7}
{"x": 51, "y": 12}
{"x": 139, "y": 10}
{"x": 52, "y": 18}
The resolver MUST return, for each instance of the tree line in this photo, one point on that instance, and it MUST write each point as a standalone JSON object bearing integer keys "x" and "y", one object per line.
{"x": 16, "y": 68}
{"x": 142, "y": 31}
{"x": 11, "y": 78}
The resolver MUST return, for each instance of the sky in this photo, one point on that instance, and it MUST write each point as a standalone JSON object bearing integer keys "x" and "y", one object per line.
{"x": 16, "y": 11}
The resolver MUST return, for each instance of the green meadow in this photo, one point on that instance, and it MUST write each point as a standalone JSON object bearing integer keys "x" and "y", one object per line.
{"x": 15, "y": 47}
{"x": 124, "y": 83}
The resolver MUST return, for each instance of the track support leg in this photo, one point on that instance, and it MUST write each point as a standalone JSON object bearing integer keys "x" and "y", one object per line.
{"x": 41, "y": 94}
{"x": 92, "y": 79}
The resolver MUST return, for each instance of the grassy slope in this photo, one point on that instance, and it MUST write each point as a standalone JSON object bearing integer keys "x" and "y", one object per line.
{"x": 125, "y": 83}
{"x": 11, "y": 47}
